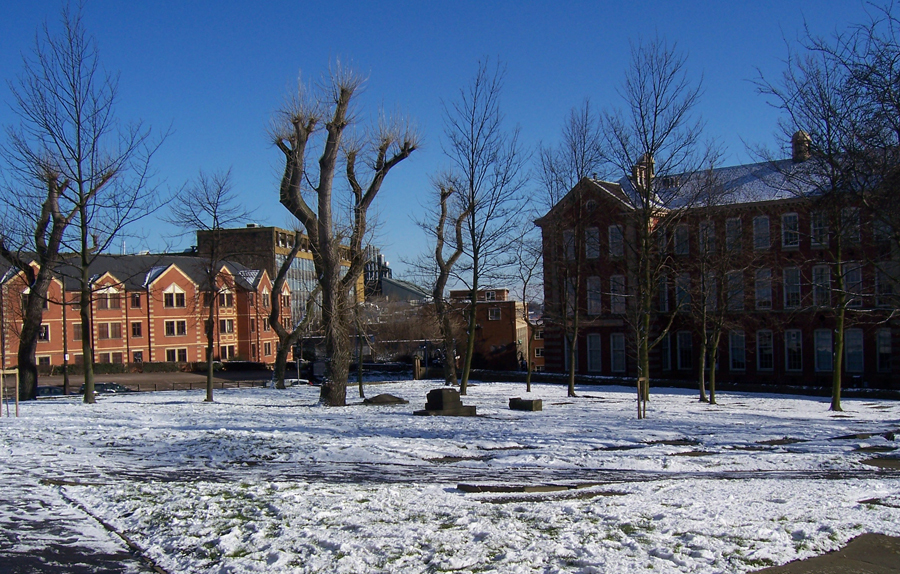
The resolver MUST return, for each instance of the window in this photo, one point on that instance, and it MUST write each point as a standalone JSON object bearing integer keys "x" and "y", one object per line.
{"x": 790, "y": 230}
{"x": 103, "y": 358}
{"x": 682, "y": 239}
{"x": 176, "y": 328}
{"x": 853, "y": 284}
{"x": 226, "y": 299}
{"x": 735, "y": 280}
{"x": 286, "y": 301}
{"x": 490, "y": 295}
{"x": 569, "y": 244}
{"x": 136, "y": 330}
{"x": 662, "y": 240}
{"x": 493, "y": 315}
{"x": 43, "y": 361}
{"x": 850, "y": 224}
{"x": 707, "y": 236}
{"x": 710, "y": 292}
{"x": 821, "y": 285}
{"x": 266, "y": 326}
{"x": 539, "y": 352}
{"x": 818, "y": 229}
{"x": 737, "y": 352}
{"x": 685, "y": 350}
{"x": 102, "y": 302}
{"x": 44, "y": 333}
{"x": 616, "y": 241}
{"x": 665, "y": 352}
{"x": 592, "y": 242}
{"x": 882, "y": 231}
{"x": 137, "y": 357}
{"x": 227, "y": 352}
{"x": 617, "y": 294}
{"x": 683, "y": 291}
{"x": 884, "y": 286}
{"x": 594, "y": 352}
{"x": 266, "y": 299}
{"x": 884, "y": 348}
{"x": 765, "y": 352}
{"x": 733, "y": 234}
{"x": 226, "y": 325}
{"x": 594, "y": 295}
{"x": 76, "y": 332}
{"x": 171, "y": 356}
{"x": 822, "y": 341}
{"x": 538, "y": 334}
{"x": 173, "y": 298}
{"x": 763, "y": 288}
{"x": 103, "y": 330}
{"x": 267, "y": 349}
{"x": 115, "y": 302}
{"x": 617, "y": 352}
{"x": 761, "y": 232}
{"x": 571, "y": 302}
{"x": 793, "y": 350}
{"x": 663, "y": 294}
{"x": 115, "y": 330}
{"x": 252, "y": 325}
{"x": 117, "y": 358}
{"x": 136, "y": 302}
{"x": 853, "y": 350}
{"x": 791, "y": 287}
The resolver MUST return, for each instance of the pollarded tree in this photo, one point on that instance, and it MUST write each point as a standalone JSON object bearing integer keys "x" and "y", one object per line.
{"x": 309, "y": 195}
{"x": 92, "y": 172}
{"x": 652, "y": 144}
{"x": 488, "y": 166}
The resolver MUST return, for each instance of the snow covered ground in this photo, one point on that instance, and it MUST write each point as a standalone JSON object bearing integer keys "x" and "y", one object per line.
{"x": 264, "y": 480}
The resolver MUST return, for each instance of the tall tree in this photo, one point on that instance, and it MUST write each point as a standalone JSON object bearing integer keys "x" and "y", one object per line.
{"x": 210, "y": 204}
{"x": 652, "y": 144}
{"x": 488, "y": 167}
{"x": 94, "y": 172}
{"x": 392, "y": 142}
{"x": 529, "y": 287}
{"x": 577, "y": 156}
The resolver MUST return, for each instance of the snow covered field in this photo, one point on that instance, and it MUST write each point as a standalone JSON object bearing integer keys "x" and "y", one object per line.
{"x": 264, "y": 480}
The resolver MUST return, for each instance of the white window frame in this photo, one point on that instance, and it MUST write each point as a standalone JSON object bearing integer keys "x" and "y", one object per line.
{"x": 683, "y": 291}
{"x": 538, "y": 351}
{"x": 737, "y": 347}
{"x": 663, "y": 294}
{"x": 790, "y": 231}
{"x": 733, "y": 234}
{"x": 44, "y": 333}
{"x": 764, "y": 288}
{"x": 617, "y": 360}
{"x": 594, "y": 353}
{"x": 707, "y": 236}
{"x": 850, "y": 224}
{"x": 494, "y": 314}
{"x": 854, "y": 352}
{"x": 853, "y": 284}
{"x": 592, "y": 243}
{"x": 793, "y": 337}
{"x": 762, "y": 236}
{"x": 818, "y": 230}
{"x": 665, "y": 352}
{"x": 568, "y": 246}
{"x": 616, "y": 236}
{"x": 735, "y": 294}
{"x": 823, "y": 348}
{"x": 792, "y": 287}
{"x": 821, "y": 285}
{"x": 765, "y": 342}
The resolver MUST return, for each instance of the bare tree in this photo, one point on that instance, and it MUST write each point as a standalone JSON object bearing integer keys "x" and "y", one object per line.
{"x": 488, "y": 168}
{"x": 576, "y": 157}
{"x": 93, "y": 172}
{"x": 653, "y": 145}
{"x": 209, "y": 204}
{"x": 392, "y": 142}
{"x": 528, "y": 287}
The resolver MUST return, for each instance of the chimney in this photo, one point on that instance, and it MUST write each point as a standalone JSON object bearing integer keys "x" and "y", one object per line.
{"x": 643, "y": 172}
{"x": 800, "y": 146}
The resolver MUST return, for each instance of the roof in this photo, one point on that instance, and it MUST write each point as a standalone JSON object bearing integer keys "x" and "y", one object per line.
{"x": 409, "y": 290}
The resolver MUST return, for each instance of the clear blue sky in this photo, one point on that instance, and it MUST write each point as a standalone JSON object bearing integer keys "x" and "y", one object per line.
{"x": 215, "y": 71}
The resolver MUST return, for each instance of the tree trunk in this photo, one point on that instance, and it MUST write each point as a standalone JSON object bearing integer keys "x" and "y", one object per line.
{"x": 470, "y": 339}
{"x": 87, "y": 333}
{"x": 449, "y": 345}
{"x": 210, "y": 347}
{"x": 702, "y": 376}
{"x": 573, "y": 357}
{"x": 714, "y": 356}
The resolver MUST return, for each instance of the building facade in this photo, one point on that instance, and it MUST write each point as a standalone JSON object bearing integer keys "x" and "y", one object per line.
{"x": 767, "y": 267}
{"x": 500, "y": 329}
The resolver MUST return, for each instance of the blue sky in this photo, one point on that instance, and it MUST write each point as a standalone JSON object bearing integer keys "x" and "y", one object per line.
{"x": 216, "y": 71}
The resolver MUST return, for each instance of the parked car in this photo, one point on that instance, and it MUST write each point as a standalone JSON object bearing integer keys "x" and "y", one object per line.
{"x": 43, "y": 392}
{"x": 107, "y": 389}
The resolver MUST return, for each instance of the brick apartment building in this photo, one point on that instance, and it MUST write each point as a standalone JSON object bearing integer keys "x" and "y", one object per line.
{"x": 500, "y": 328}
{"x": 779, "y": 286}
{"x": 147, "y": 308}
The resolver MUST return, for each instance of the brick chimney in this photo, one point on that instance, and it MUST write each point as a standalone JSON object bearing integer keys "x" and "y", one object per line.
{"x": 800, "y": 146}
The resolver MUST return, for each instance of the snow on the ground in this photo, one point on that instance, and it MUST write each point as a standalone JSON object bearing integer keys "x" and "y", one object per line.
{"x": 266, "y": 480}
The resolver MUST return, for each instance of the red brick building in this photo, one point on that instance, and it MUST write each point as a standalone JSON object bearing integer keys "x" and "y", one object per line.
{"x": 148, "y": 308}
{"x": 500, "y": 328}
{"x": 778, "y": 287}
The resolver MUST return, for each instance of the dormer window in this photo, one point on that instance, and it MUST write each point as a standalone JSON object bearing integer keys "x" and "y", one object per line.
{"x": 490, "y": 295}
